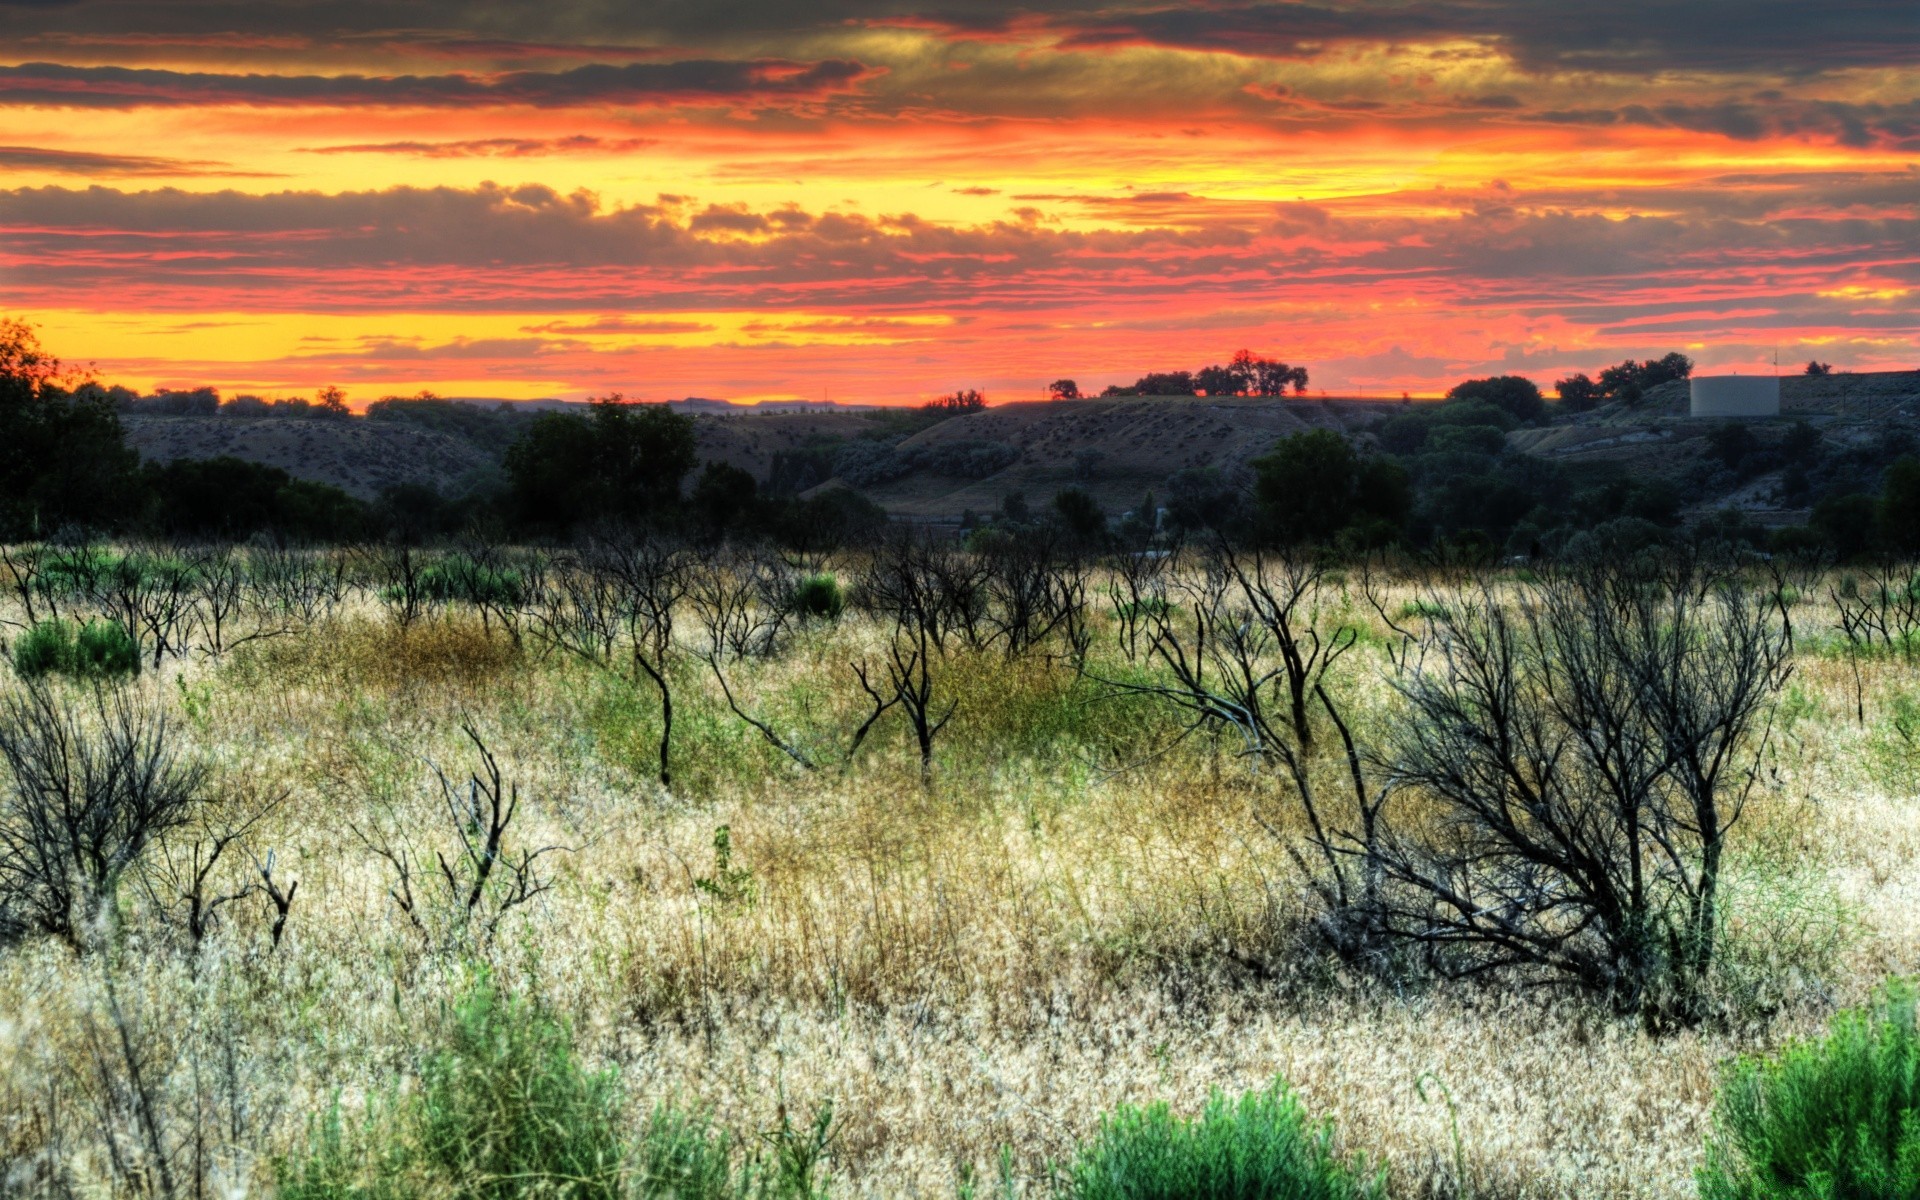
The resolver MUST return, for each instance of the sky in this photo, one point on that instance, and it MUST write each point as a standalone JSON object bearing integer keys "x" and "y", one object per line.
{"x": 888, "y": 200}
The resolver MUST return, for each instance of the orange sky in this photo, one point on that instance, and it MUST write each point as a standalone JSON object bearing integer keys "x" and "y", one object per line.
{"x": 885, "y": 201}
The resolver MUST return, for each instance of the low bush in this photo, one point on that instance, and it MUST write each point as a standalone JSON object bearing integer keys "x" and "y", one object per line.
{"x": 1832, "y": 1118}
{"x": 504, "y": 1110}
{"x": 820, "y": 597}
{"x": 1259, "y": 1147}
{"x": 96, "y": 650}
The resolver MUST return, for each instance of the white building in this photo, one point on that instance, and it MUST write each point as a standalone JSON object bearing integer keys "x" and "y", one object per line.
{"x": 1735, "y": 395}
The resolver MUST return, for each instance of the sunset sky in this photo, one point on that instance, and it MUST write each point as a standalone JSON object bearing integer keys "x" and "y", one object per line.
{"x": 882, "y": 201}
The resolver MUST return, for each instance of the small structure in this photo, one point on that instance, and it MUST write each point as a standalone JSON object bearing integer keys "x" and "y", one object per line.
{"x": 1735, "y": 395}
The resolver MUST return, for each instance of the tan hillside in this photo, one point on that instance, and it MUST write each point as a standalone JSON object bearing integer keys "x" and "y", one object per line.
{"x": 1116, "y": 449}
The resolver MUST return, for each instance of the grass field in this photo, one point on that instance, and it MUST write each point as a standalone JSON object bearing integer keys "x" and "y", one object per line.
{"x": 1076, "y": 909}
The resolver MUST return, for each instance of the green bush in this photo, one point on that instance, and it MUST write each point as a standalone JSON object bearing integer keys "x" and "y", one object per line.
{"x": 819, "y": 596}
{"x": 96, "y": 650}
{"x": 1832, "y": 1118}
{"x": 469, "y": 582}
{"x": 504, "y": 1109}
{"x": 44, "y": 649}
{"x": 1260, "y": 1147}
{"x": 105, "y": 650}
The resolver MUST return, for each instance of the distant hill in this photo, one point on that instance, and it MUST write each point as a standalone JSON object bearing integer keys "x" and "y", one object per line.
{"x": 1114, "y": 448}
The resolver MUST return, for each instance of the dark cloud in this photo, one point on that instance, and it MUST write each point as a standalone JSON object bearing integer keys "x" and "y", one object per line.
{"x": 1893, "y": 125}
{"x": 1787, "y": 37}
{"x": 81, "y": 162}
{"x": 499, "y": 147}
{"x": 59, "y": 86}
{"x": 532, "y": 249}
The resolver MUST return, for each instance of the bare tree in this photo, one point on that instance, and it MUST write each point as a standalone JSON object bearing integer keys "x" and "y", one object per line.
{"x": 1567, "y": 777}
{"x": 650, "y": 577}
{"x": 89, "y": 787}
{"x": 476, "y": 884}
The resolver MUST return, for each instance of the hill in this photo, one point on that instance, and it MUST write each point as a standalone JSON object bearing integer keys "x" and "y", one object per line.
{"x": 1116, "y": 449}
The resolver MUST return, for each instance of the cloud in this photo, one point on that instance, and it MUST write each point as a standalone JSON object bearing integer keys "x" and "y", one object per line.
{"x": 496, "y": 147}
{"x": 56, "y": 85}
{"x": 81, "y": 162}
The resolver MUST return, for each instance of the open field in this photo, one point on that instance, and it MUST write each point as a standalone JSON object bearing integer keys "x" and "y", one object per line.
{"x": 1073, "y": 906}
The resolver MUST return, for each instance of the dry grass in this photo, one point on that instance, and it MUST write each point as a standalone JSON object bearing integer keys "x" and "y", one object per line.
{"x": 994, "y": 961}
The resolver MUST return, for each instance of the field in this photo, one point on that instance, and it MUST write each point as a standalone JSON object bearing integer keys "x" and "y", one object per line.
{"x": 1080, "y": 899}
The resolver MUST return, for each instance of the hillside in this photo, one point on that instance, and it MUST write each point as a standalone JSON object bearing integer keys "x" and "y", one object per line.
{"x": 1658, "y": 439}
{"x": 1116, "y": 449}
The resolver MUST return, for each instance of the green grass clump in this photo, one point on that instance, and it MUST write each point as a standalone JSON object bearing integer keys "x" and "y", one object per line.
{"x": 1259, "y": 1147}
{"x": 1832, "y": 1118}
{"x": 503, "y": 1110}
{"x": 820, "y": 597}
{"x": 96, "y": 650}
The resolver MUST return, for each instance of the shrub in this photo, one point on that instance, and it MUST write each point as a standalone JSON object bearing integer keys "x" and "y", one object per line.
{"x": 1260, "y": 1147}
{"x": 105, "y": 650}
{"x": 461, "y": 579}
{"x": 504, "y": 1110}
{"x": 96, "y": 650}
{"x": 91, "y": 786}
{"x": 819, "y": 596}
{"x": 1833, "y": 1118}
{"x": 44, "y": 649}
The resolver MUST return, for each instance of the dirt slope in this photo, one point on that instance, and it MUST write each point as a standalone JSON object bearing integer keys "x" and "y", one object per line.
{"x": 1116, "y": 449}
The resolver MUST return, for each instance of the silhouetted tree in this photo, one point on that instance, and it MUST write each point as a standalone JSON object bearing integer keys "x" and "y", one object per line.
{"x": 1519, "y": 396}
{"x": 1063, "y": 389}
{"x": 958, "y": 403}
{"x": 624, "y": 462}
{"x": 63, "y": 460}
{"x": 1815, "y": 367}
{"x": 1578, "y": 393}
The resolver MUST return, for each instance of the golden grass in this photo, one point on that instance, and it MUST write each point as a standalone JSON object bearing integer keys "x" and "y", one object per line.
{"x": 993, "y": 961}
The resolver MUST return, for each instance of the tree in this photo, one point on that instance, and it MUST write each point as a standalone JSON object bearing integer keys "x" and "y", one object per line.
{"x": 1731, "y": 442}
{"x": 1815, "y": 367}
{"x": 1578, "y": 393}
{"x": 1165, "y": 383}
{"x": 1899, "y": 508}
{"x": 330, "y": 401}
{"x": 958, "y": 404}
{"x": 1570, "y": 768}
{"x": 1305, "y": 487}
{"x": 1063, "y": 389}
{"x": 1220, "y": 381}
{"x": 1080, "y": 514}
{"x": 624, "y": 462}
{"x": 1519, "y": 396}
{"x": 63, "y": 459}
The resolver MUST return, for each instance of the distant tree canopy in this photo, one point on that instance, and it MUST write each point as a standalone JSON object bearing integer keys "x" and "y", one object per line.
{"x": 623, "y": 462}
{"x": 1630, "y": 381}
{"x": 1816, "y": 367}
{"x": 63, "y": 459}
{"x": 1578, "y": 393}
{"x": 229, "y": 497}
{"x": 957, "y": 403}
{"x": 1063, "y": 389}
{"x": 1246, "y": 375}
{"x": 1519, "y": 396}
{"x": 1313, "y": 486}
